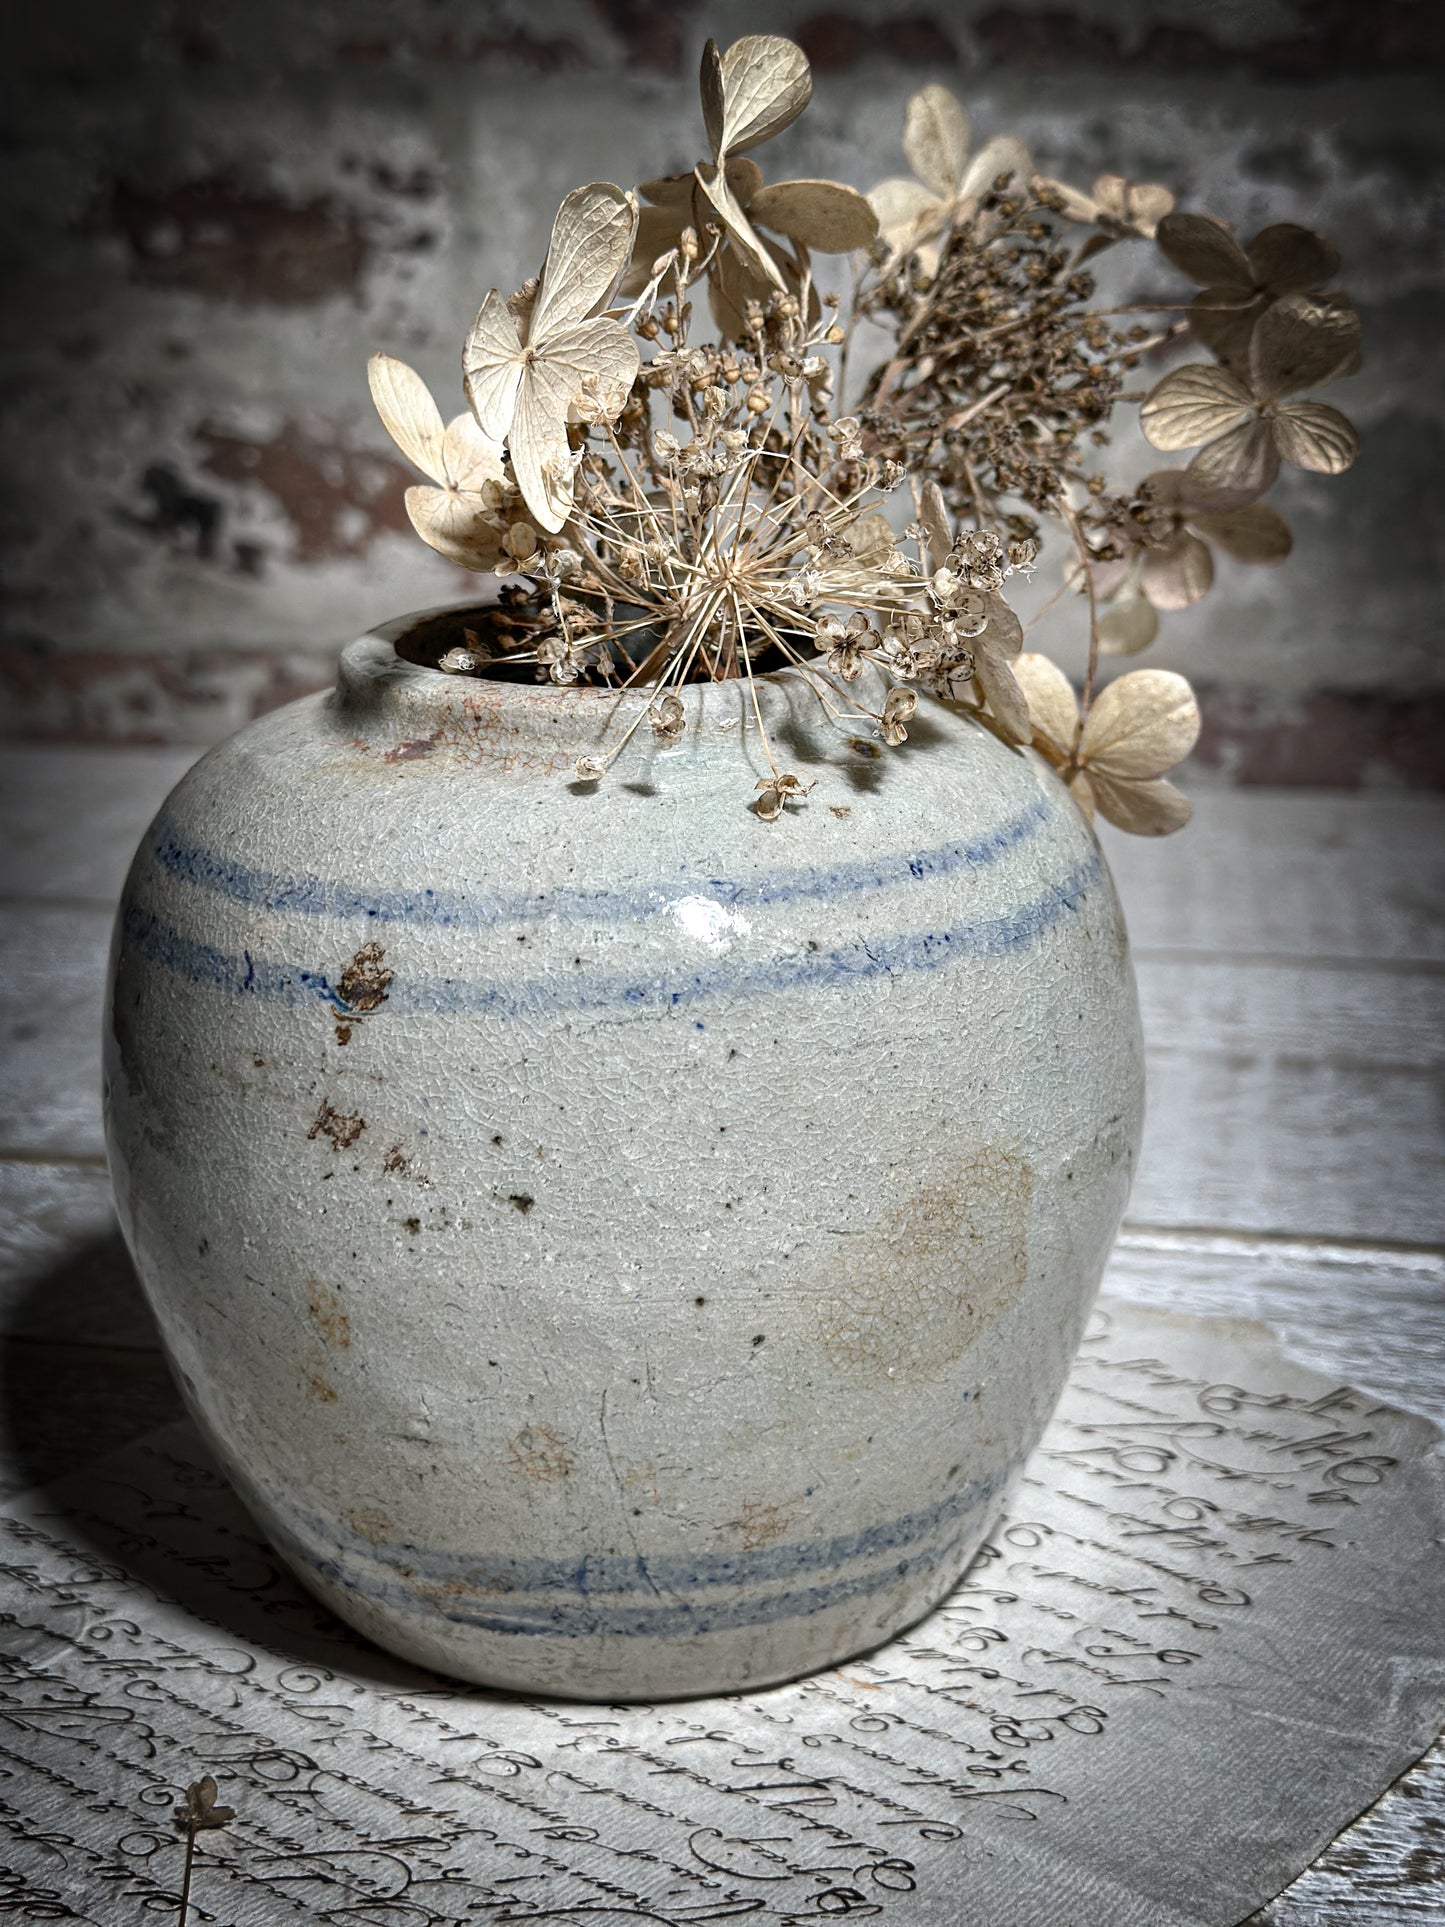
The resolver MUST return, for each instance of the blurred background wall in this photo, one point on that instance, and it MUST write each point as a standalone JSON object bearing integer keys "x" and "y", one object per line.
{"x": 213, "y": 210}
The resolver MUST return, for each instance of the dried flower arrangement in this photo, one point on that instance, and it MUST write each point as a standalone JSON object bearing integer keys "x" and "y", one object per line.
{"x": 667, "y": 509}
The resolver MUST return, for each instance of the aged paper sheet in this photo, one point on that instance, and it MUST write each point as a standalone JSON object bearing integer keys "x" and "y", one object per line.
{"x": 1211, "y": 1631}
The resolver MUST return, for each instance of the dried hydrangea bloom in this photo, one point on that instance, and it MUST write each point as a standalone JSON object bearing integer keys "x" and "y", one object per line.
{"x": 532, "y": 365}
{"x": 1137, "y": 728}
{"x": 1244, "y": 428}
{"x": 751, "y": 92}
{"x": 460, "y": 515}
{"x": 1115, "y": 205}
{"x": 915, "y": 216}
{"x": 1174, "y": 567}
{"x": 1240, "y": 283}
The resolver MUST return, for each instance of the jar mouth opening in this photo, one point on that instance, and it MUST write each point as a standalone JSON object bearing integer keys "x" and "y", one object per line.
{"x": 485, "y": 630}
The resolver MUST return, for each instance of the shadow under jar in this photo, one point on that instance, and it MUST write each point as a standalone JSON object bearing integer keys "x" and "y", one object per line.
{"x": 618, "y": 1247}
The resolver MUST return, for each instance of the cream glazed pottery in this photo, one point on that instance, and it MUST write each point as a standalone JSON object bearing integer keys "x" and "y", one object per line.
{"x": 618, "y": 1247}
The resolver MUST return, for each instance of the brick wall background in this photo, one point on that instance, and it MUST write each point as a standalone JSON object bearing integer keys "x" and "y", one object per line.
{"x": 214, "y": 209}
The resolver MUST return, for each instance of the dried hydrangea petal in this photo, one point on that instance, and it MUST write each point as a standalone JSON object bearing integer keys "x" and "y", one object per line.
{"x": 1128, "y": 626}
{"x": 1137, "y": 205}
{"x": 408, "y": 413}
{"x": 766, "y": 84}
{"x": 1082, "y": 791}
{"x": 492, "y": 367}
{"x": 905, "y": 211}
{"x": 1150, "y": 808}
{"x": 1003, "y": 634}
{"x": 933, "y": 515}
{"x": 1302, "y": 343}
{"x": 1288, "y": 259}
{"x": 1001, "y": 159}
{"x": 1242, "y": 463}
{"x": 1205, "y": 250}
{"x": 1312, "y": 435}
{"x": 820, "y": 214}
{"x": 1224, "y": 322}
{"x": 743, "y": 241}
{"x": 935, "y": 139}
{"x": 1007, "y": 703}
{"x": 1178, "y": 573}
{"x": 1140, "y": 725}
{"x": 469, "y": 458}
{"x": 1053, "y": 706}
{"x": 455, "y": 526}
{"x": 1194, "y": 404}
{"x": 1252, "y": 533}
{"x": 590, "y": 246}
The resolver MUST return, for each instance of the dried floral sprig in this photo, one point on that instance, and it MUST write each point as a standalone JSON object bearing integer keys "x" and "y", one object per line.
{"x": 549, "y": 355}
{"x": 1115, "y": 757}
{"x": 749, "y": 94}
{"x": 198, "y": 1813}
{"x": 668, "y": 509}
{"x": 915, "y": 216}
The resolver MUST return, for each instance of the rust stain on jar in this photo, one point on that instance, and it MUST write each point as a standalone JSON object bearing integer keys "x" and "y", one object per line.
{"x": 315, "y": 1384}
{"x": 363, "y": 984}
{"x": 759, "y": 1523}
{"x": 343, "y": 1130}
{"x": 907, "y": 1300}
{"x": 413, "y": 751}
{"x": 537, "y": 1452}
{"x": 327, "y": 1314}
{"x": 370, "y": 1522}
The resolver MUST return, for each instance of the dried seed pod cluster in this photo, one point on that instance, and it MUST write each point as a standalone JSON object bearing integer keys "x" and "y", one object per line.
{"x": 667, "y": 508}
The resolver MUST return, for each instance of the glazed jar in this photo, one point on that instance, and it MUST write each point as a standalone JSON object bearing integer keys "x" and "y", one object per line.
{"x": 618, "y": 1247}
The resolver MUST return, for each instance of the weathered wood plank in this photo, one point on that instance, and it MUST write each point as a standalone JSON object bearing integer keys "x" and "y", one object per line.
{"x": 1387, "y": 1870}
{"x": 72, "y": 817}
{"x": 1306, "y": 873}
{"x": 1289, "y": 1097}
{"x": 51, "y": 992}
{"x": 1291, "y": 1147}
{"x": 1256, "y": 1009}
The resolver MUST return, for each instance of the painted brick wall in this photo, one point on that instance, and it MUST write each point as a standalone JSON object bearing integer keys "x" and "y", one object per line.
{"x": 213, "y": 212}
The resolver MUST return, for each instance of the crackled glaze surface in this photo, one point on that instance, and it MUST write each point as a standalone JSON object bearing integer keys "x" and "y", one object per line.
{"x": 618, "y": 1247}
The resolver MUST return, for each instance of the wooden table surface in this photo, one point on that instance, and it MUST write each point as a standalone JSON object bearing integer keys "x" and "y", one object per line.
{"x": 1290, "y": 951}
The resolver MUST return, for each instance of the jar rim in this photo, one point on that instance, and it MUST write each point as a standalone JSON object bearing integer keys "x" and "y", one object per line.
{"x": 382, "y": 693}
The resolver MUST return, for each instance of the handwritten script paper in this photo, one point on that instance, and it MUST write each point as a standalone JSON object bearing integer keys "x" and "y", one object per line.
{"x": 1211, "y": 1631}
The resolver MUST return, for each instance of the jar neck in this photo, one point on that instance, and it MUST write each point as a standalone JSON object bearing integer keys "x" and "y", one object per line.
{"x": 406, "y": 709}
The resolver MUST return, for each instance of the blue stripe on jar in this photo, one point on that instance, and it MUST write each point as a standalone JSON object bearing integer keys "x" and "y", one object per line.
{"x": 437, "y": 1586}
{"x": 161, "y": 944}
{"x": 191, "y": 864}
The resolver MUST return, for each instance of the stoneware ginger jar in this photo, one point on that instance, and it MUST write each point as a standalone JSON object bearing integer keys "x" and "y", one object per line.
{"x": 618, "y": 1247}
